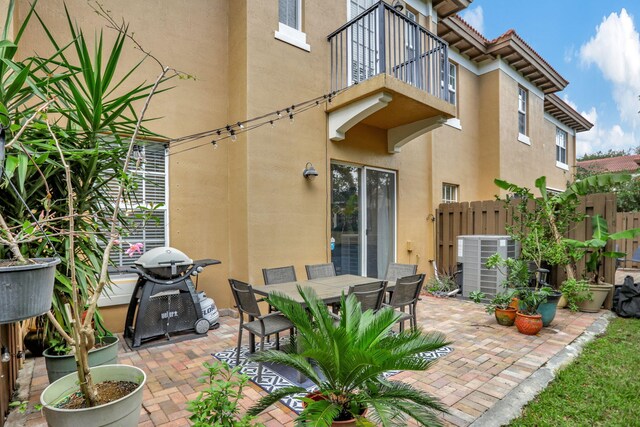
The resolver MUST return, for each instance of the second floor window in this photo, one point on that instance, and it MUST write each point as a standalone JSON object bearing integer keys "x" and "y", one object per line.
{"x": 289, "y": 12}
{"x": 449, "y": 193}
{"x": 522, "y": 111}
{"x": 453, "y": 77}
{"x": 561, "y": 146}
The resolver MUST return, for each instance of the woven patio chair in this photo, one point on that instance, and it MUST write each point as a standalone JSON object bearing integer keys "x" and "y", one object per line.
{"x": 258, "y": 325}
{"x": 405, "y": 294}
{"x": 273, "y": 276}
{"x": 396, "y": 271}
{"x": 316, "y": 271}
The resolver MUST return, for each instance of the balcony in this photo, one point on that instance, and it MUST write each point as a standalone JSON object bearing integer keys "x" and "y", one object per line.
{"x": 390, "y": 73}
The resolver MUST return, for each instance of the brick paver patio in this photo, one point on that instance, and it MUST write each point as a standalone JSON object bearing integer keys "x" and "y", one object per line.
{"x": 488, "y": 361}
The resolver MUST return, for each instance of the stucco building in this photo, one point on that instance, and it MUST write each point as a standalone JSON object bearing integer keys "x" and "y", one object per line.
{"x": 425, "y": 110}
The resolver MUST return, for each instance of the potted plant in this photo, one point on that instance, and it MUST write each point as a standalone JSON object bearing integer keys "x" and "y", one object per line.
{"x": 575, "y": 292}
{"x": 528, "y": 320}
{"x": 90, "y": 121}
{"x": 499, "y": 306}
{"x": 595, "y": 251}
{"x": 346, "y": 360}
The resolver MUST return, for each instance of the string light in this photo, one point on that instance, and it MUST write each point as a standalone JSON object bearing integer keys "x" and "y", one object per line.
{"x": 232, "y": 130}
{"x": 215, "y": 145}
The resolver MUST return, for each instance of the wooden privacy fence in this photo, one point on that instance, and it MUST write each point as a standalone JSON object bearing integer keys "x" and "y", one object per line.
{"x": 491, "y": 218}
{"x": 625, "y": 221}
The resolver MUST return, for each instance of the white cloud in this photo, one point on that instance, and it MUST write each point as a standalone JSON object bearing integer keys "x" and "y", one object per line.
{"x": 475, "y": 18}
{"x": 615, "y": 50}
{"x": 601, "y": 138}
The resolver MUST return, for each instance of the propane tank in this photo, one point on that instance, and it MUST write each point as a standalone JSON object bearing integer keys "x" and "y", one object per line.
{"x": 209, "y": 309}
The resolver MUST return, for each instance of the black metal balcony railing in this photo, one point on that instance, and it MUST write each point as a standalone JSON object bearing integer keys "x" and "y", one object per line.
{"x": 381, "y": 40}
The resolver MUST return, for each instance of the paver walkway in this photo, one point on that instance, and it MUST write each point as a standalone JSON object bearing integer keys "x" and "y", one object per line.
{"x": 488, "y": 361}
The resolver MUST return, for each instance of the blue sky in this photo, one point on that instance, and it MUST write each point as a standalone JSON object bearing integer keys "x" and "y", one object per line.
{"x": 592, "y": 43}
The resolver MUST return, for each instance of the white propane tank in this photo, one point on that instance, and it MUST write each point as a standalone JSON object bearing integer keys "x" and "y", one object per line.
{"x": 209, "y": 309}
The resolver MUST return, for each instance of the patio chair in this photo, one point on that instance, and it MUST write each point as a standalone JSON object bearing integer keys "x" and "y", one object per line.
{"x": 396, "y": 271}
{"x": 273, "y": 276}
{"x": 258, "y": 325}
{"x": 316, "y": 271}
{"x": 370, "y": 295}
{"x": 405, "y": 294}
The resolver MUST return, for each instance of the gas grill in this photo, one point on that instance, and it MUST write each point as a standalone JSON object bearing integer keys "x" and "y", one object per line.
{"x": 165, "y": 301}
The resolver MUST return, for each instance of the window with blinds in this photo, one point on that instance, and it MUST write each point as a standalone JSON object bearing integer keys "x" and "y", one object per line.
{"x": 561, "y": 146}
{"x": 145, "y": 208}
{"x": 289, "y": 13}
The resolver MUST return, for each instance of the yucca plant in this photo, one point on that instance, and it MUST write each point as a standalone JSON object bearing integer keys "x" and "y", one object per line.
{"x": 92, "y": 117}
{"x": 346, "y": 361}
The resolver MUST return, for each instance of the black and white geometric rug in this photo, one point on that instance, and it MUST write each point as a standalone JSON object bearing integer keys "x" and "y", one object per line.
{"x": 275, "y": 377}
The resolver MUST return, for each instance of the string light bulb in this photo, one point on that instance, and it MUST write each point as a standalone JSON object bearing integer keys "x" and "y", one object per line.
{"x": 215, "y": 144}
{"x": 279, "y": 114}
{"x": 240, "y": 125}
{"x": 233, "y": 135}
{"x": 272, "y": 123}
{"x": 291, "y": 118}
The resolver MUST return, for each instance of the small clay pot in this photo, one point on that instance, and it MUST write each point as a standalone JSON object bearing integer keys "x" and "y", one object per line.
{"x": 316, "y": 395}
{"x": 528, "y": 325}
{"x": 505, "y": 317}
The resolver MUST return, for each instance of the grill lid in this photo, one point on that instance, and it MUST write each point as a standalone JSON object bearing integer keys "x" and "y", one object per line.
{"x": 163, "y": 257}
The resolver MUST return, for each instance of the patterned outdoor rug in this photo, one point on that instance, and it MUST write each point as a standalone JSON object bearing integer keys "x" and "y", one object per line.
{"x": 275, "y": 377}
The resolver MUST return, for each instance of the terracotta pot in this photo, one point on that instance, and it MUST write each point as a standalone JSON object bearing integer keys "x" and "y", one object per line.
{"x": 528, "y": 325}
{"x": 505, "y": 317}
{"x": 346, "y": 423}
{"x": 600, "y": 293}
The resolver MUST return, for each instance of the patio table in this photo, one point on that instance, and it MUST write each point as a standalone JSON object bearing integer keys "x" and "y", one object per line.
{"x": 329, "y": 289}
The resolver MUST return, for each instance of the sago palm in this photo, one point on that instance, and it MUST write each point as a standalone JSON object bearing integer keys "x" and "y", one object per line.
{"x": 346, "y": 360}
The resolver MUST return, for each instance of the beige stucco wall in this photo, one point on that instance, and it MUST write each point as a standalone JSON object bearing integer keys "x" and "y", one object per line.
{"x": 198, "y": 208}
{"x": 246, "y": 203}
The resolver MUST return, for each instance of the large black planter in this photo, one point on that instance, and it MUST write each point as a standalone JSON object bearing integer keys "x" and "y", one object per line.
{"x": 26, "y": 290}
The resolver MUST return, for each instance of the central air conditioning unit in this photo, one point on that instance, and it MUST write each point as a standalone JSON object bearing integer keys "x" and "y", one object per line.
{"x": 473, "y": 252}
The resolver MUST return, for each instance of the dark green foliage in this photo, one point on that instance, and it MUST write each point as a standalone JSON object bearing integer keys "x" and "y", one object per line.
{"x": 91, "y": 116}
{"x": 350, "y": 357}
{"x": 218, "y": 404}
{"x": 608, "y": 154}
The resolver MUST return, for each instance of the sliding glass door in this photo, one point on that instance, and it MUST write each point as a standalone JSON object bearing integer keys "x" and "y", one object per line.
{"x": 363, "y": 219}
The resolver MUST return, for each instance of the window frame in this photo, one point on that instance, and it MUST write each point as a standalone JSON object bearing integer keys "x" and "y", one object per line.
{"x": 523, "y": 99}
{"x": 118, "y": 253}
{"x": 292, "y": 35}
{"x": 453, "y": 196}
{"x": 562, "y": 149}
{"x": 453, "y": 73}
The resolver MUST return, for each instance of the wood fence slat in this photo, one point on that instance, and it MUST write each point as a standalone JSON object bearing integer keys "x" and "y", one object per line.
{"x": 491, "y": 217}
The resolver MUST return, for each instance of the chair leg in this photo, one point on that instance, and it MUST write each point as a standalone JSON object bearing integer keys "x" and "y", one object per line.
{"x": 239, "y": 346}
{"x": 260, "y": 363}
{"x": 277, "y": 340}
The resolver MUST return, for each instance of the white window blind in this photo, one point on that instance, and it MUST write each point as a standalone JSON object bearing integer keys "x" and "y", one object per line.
{"x": 452, "y": 82}
{"x": 449, "y": 193}
{"x": 561, "y": 146}
{"x": 289, "y": 13}
{"x": 145, "y": 209}
{"x": 522, "y": 111}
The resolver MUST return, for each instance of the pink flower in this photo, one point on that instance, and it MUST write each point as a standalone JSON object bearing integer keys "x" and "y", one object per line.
{"x": 135, "y": 248}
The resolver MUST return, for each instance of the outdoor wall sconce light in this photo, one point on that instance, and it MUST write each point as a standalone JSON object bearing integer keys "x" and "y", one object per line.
{"x": 6, "y": 356}
{"x": 397, "y": 5}
{"x": 309, "y": 172}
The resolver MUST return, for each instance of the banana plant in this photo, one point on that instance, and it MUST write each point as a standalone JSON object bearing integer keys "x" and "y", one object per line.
{"x": 542, "y": 228}
{"x": 595, "y": 248}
